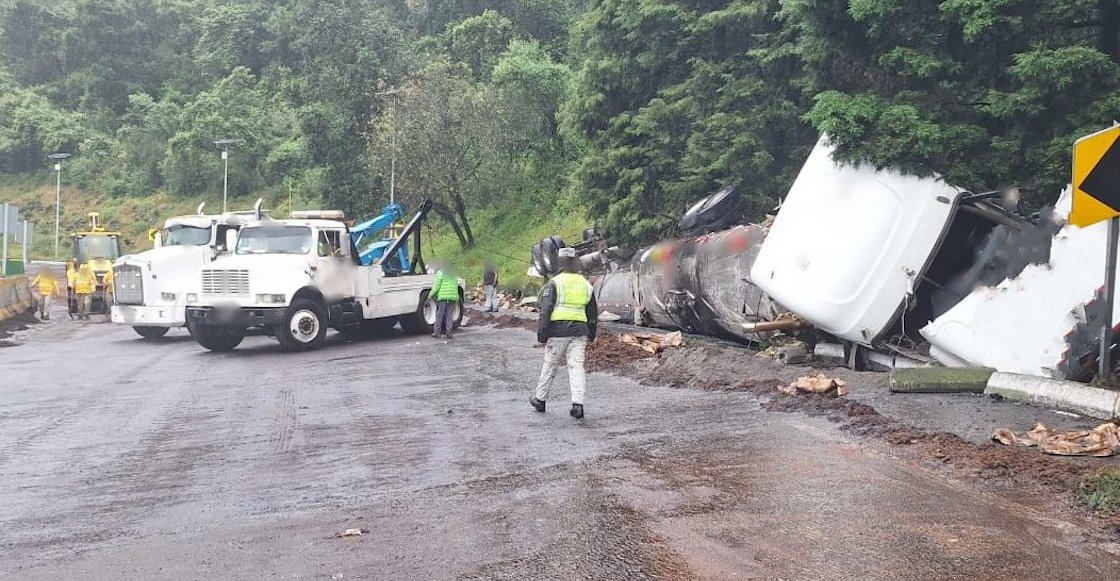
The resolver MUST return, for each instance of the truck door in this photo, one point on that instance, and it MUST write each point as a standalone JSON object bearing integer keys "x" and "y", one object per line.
{"x": 335, "y": 266}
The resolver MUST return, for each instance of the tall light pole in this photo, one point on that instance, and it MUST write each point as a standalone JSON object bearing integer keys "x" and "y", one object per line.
{"x": 57, "y": 158}
{"x": 392, "y": 148}
{"x": 224, "y": 144}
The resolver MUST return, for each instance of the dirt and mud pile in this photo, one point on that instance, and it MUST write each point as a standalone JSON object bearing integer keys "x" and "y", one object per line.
{"x": 716, "y": 368}
{"x": 19, "y": 322}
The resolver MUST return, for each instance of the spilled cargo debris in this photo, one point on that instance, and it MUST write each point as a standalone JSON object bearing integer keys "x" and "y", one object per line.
{"x": 653, "y": 342}
{"x": 1101, "y": 441}
{"x": 819, "y": 383}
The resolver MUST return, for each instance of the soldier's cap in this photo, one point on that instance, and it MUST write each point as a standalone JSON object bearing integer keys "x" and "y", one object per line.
{"x": 567, "y": 253}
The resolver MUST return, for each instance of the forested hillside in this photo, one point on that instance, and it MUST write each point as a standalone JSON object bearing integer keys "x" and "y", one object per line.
{"x": 620, "y": 111}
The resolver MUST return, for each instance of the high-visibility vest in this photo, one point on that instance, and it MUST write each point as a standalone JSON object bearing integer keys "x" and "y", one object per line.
{"x": 573, "y": 292}
{"x": 85, "y": 283}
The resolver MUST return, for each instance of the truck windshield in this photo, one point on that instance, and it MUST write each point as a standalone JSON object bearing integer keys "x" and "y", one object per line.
{"x": 274, "y": 240}
{"x": 180, "y": 235}
{"x": 97, "y": 247}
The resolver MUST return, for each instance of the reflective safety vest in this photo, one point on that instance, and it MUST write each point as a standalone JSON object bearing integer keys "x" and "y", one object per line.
{"x": 573, "y": 292}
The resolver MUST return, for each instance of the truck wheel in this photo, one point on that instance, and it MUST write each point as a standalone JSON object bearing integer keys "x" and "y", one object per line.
{"x": 217, "y": 337}
{"x": 150, "y": 332}
{"x": 304, "y": 326}
{"x": 424, "y": 319}
{"x": 457, "y": 313}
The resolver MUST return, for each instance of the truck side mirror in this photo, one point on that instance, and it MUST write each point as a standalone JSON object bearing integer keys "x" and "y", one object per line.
{"x": 231, "y": 240}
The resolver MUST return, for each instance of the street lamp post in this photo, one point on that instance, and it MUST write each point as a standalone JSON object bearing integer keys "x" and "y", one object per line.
{"x": 57, "y": 158}
{"x": 224, "y": 144}
{"x": 392, "y": 148}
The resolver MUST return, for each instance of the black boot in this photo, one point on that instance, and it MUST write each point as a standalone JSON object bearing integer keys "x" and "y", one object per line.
{"x": 536, "y": 403}
{"x": 577, "y": 411}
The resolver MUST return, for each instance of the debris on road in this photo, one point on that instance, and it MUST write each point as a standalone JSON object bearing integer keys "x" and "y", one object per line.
{"x": 609, "y": 352}
{"x": 351, "y": 533}
{"x": 1101, "y": 441}
{"x": 819, "y": 383}
{"x": 653, "y": 342}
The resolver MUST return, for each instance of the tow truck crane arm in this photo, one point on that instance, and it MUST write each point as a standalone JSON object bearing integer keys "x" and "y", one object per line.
{"x": 373, "y": 251}
{"x": 412, "y": 230}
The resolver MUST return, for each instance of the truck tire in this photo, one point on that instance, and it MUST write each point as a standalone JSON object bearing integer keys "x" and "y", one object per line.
{"x": 304, "y": 327}
{"x": 150, "y": 332}
{"x": 711, "y": 213}
{"x": 457, "y": 314}
{"x": 217, "y": 337}
{"x": 424, "y": 319}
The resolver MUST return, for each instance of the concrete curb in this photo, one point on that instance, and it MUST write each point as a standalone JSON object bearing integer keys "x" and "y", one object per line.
{"x": 940, "y": 380}
{"x": 15, "y": 296}
{"x": 1061, "y": 395}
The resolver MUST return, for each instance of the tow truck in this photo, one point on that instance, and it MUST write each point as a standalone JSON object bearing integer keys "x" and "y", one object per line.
{"x": 296, "y": 278}
{"x": 150, "y": 287}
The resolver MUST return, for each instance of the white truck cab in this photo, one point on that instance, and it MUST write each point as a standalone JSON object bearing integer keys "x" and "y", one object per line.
{"x": 296, "y": 278}
{"x": 150, "y": 287}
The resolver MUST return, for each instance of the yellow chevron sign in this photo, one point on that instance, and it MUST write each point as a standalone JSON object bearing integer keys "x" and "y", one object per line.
{"x": 1096, "y": 177}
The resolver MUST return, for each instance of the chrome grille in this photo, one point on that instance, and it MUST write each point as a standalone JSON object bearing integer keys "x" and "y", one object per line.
{"x": 225, "y": 282}
{"x": 128, "y": 285}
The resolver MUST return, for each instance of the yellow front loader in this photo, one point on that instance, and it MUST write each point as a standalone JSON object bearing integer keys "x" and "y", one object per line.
{"x": 98, "y": 248}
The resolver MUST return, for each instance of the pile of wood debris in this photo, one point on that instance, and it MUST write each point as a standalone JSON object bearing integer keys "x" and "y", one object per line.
{"x": 818, "y": 383}
{"x": 653, "y": 342}
{"x": 1103, "y": 440}
{"x": 506, "y": 301}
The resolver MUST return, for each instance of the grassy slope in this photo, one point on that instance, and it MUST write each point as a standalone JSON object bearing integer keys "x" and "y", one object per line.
{"x": 505, "y": 237}
{"x": 132, "y": 216}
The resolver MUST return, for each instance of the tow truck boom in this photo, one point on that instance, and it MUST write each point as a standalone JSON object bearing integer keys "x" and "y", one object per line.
{"x": 372, "y": 227}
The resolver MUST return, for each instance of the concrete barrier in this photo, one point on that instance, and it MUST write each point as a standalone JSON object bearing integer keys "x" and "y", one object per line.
{"x": 15, "y": 296}
{"x": 1052, "y": 393}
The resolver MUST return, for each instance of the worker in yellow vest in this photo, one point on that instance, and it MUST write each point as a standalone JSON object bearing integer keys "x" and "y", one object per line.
{"x": 46, "y": 286}
{"x": 567, "y": 323}
{"x": 85, "y": 283}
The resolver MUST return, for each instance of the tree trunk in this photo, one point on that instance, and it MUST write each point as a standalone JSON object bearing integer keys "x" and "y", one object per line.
{"x": 461, "y": 211}
{"x": 449, "y": 217}
{"x": 1109, "y": 40}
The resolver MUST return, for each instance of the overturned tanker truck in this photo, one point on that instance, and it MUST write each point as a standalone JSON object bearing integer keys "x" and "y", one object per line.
{"x": 699, "y": 283}
{"x": 892, "y": 267}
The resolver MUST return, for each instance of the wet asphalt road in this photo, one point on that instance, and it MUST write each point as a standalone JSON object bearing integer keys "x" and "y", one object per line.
{"x": 125, "y": 459}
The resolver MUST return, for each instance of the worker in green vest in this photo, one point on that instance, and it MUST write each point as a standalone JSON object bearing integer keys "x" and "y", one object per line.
{"x": 567, "y": 323}
{"x": 445, "y": 291}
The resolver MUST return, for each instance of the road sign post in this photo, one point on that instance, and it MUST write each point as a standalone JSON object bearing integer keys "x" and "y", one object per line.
{"x": 1096, "y": 197}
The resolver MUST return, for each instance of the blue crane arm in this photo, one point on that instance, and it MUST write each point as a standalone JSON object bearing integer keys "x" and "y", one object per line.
{"x": 370, "y": 252}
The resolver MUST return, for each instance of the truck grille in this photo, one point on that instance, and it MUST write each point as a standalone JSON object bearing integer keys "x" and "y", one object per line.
{"x": 225, "y": 282}
{"x": 128, "y": 283}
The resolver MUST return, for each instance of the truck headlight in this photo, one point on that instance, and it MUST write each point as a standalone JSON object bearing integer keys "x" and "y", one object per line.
{"x": 192, "y": 298}
{"x": 271, "y": 299}
{"x": 167, "y": 296}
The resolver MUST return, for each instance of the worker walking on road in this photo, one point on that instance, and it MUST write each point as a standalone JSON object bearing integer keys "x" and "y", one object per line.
{"x": 47, "y": 287}
{"x": 490, "y": 286}
{"x": 85, "y": 283}
{"x": 445, "y": 290}
{"x": 567, "y": 323}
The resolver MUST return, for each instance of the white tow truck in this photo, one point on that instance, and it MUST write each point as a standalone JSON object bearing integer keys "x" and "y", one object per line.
{"x": 296, "y": 278}
{"x": 150, "y": 287}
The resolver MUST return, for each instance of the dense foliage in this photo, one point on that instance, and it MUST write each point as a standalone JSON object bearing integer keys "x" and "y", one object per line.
{"x": 635, "y": 107}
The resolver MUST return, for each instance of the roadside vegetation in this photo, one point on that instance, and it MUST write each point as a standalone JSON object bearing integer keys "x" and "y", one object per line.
{"x": 617, "y": 112}
{"x": 1100, "y": 491}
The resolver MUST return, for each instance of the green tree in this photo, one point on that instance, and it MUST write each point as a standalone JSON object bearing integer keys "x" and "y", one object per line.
{"x": 984, "y": 92}
{"x": 448, "y": 135}
{"x": 675, "y": 100}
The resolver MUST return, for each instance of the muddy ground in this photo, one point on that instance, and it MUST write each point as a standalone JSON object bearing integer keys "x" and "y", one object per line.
{"x": 122, "y": 458}
{"x": 710, "y": 366}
